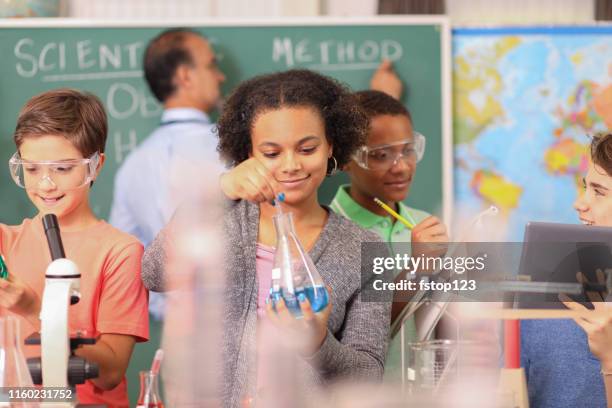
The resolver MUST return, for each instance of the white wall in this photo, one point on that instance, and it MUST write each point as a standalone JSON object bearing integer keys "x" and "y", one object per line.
{"x": 495, "y": 12}
{"x": 488, "y": 12}
{"x": 461, "y": 12}
{"x": 189, "y": 9}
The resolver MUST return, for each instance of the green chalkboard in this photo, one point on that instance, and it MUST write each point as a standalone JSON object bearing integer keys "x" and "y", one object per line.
{"x": 106, "y": 60}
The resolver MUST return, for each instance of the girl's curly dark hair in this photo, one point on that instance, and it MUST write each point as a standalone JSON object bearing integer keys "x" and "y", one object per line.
{"x": 346, "y": 124}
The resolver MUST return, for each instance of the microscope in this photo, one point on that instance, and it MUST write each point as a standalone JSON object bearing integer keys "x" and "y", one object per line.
{"x": 58, "y": 367}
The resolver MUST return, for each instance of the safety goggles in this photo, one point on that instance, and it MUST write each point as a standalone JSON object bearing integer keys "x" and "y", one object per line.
{"x": 382, "y": 158}
{"x": 65, "y": 174}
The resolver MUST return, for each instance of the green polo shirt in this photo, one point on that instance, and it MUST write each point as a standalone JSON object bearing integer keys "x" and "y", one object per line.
{"x": 391, "y": 232}
{"x": 388, "y": 230}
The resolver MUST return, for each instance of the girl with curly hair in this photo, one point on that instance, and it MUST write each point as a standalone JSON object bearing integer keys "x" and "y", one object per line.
{"x": 284, "y": 133}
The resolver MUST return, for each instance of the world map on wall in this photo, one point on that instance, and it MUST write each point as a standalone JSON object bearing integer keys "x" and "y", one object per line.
{"x": 29, "y": 8}
{"x": 524, "y": 107}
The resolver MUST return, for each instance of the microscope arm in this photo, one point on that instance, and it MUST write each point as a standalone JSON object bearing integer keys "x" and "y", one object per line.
{"x": 54, "y": 332}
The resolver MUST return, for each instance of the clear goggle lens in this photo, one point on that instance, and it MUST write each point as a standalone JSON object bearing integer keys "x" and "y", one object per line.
{"x": 384, "y": 157}
{"x": 65, "y": 175}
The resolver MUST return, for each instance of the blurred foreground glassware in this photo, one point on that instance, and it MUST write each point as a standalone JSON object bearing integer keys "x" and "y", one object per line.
{"x": 149, "y": 391}
{"x": 13, "y": 367}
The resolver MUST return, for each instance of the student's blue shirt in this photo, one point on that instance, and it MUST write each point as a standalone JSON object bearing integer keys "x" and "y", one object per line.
{"x": 162, "y": 172}
{"x": 561, "y": 370}
{"x": 153, "y": 178}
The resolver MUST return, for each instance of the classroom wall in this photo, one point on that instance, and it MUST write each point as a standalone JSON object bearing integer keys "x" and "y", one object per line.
{"x": 521, "y": 12}
{"x": 189, "y": 9}
{"x": 461, "y": 12}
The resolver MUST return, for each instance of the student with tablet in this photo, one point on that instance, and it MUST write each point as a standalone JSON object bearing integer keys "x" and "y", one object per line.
{"x": 569, "y": 363}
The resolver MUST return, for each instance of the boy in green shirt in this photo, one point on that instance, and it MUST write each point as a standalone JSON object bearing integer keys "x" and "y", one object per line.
{"x": 384, "y": 168}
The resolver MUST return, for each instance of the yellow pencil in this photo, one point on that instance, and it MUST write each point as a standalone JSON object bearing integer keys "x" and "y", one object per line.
{"x": 393, "y": 213}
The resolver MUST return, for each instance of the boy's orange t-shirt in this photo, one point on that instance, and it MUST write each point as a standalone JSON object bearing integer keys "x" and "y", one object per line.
{"x": 113, "y": 297}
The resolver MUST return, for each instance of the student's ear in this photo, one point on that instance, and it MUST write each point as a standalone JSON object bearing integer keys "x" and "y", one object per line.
{"x": 101, "y": 159}
{"x": 100, "y": 164}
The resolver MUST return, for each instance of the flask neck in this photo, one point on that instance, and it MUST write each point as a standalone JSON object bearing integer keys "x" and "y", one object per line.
{"x": 149, "y": 391}
{"x": 283, "y": 223}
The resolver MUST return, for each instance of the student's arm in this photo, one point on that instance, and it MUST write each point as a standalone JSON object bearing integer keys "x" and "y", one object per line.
{"x": 15, "y": 295}
{"x": 599, "y": 333}
{"x": 359, "y": 350}
{"x": 608, "y": 382}
{"x": 357, "y": 353}
{"x": 122, "y": 318}
{"x": 154, "y": 261}
{"x": 21, "y": 299}
{"x": 386, "y": 80}
{"x": 208, "y": 209}
{"x": 112, "y": 353}
{"x": 430, "y": 230}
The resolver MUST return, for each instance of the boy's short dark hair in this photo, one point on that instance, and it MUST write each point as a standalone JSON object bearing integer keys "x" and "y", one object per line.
{"x": 164, "y": 54}
{"x": 601, "y": 151}
{"x": 376, "y": 103}
{"x": 346, "y": 124}
{"x": 78, "y": 116}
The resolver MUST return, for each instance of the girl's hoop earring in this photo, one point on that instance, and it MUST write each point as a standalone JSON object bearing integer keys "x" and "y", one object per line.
{"x": 334, "y": 170}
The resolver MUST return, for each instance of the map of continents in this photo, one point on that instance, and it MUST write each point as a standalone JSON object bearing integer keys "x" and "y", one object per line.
{"x": 524, "y": 105}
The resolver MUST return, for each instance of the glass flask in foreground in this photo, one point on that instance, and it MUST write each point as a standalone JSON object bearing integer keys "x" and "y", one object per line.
{"x": 14, "y": 371}
{"x": 293, "y": 272}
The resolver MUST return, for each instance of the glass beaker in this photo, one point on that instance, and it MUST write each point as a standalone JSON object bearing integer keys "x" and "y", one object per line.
{"x": 13, "y": 367}
{"x": 149, "y": 391}
{"x": 294, "y": 273}
{"x": 432, "y": 361}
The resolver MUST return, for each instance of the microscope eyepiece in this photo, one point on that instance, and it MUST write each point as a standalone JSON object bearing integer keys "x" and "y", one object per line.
{"x": 54, "y": 239}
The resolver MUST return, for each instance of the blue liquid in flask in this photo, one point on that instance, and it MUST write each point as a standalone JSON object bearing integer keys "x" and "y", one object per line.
{"x": 316, "y": 295}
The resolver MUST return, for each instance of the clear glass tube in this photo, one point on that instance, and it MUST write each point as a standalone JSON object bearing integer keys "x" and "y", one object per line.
{"x": 149, "y": 391}
{"x": 13, "y": 367}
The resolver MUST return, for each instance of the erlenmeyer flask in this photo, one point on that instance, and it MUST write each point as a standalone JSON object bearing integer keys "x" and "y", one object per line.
{"x": 149, "y": 391}
{"x": 294, "y": 272}
{"x": 13, "y": 367}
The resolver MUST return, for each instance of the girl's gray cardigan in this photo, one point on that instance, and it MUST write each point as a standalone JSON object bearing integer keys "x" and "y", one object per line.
{"x": 356, "y": 341}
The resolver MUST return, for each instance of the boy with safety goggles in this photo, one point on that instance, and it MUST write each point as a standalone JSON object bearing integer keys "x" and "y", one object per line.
{"x": 384, "y": 168}
{"x": 60, "y": 138}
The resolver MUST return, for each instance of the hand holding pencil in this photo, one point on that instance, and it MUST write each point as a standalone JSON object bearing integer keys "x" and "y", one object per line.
{"x": 429, "y": 231}
{"x": 427, "y": 237}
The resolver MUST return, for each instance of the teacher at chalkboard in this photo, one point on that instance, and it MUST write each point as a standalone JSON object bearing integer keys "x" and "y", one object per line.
{"x": 182, "y": 72}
